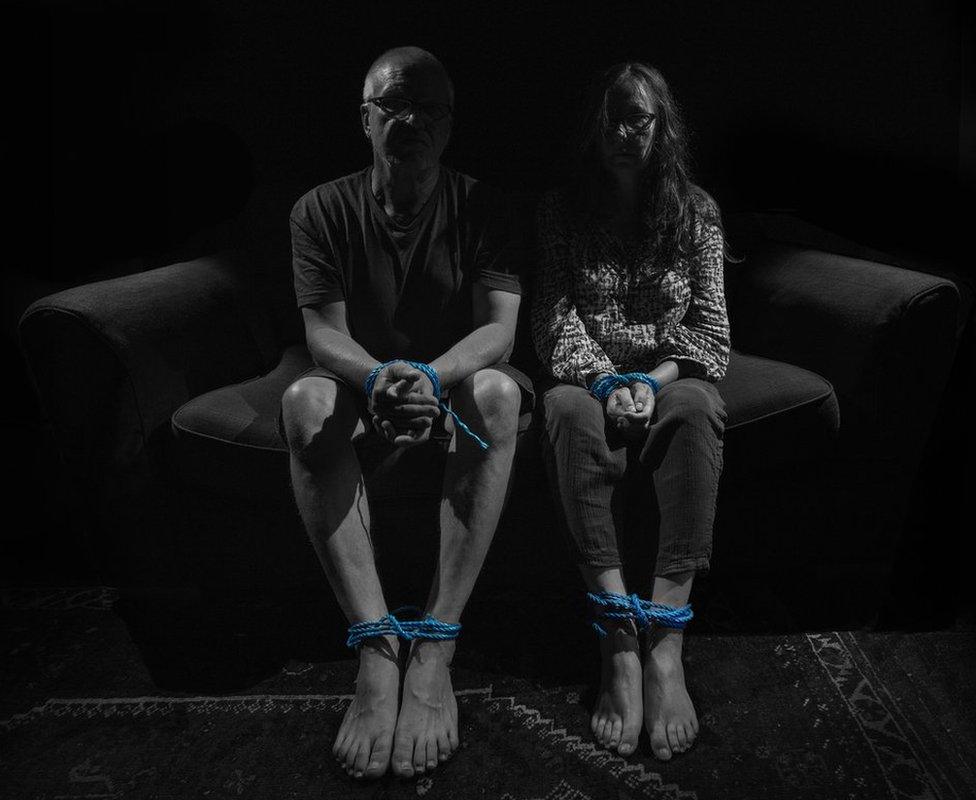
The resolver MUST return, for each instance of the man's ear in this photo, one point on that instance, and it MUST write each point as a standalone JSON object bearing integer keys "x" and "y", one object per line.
{"x": 364, "y": 118}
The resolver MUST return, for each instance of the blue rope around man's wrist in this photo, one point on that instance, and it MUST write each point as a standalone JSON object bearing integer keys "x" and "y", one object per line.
{"x": 603, "y": 386}
{"x": 427, "y": 627}
{"x": 435, "y": 382}
{"x": 610, "y": 605}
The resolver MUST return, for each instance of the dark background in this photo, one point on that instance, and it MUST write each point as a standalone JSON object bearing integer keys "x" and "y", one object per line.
{"x": 138, "y": 134}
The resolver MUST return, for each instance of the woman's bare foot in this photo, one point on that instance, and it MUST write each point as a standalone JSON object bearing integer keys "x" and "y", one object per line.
{"x": 616, "y": 720}
{"x": 365, "y": 736}
{"x": 427, "y": 728}
{"x": 669, "y": 715}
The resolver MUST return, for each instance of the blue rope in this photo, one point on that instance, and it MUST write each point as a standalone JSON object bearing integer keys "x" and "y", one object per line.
{"x": 641, "y": 377}
{"x": 435, "y": 381}
{"x": 610, "y": 605}
{"x": 428, "y": 627}
{"x": 602, "y": 387}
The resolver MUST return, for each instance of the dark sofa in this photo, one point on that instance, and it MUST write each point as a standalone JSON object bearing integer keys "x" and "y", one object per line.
{"x": 162, "y": 389}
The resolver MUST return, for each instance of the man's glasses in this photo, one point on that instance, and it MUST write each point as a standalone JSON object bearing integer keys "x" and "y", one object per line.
{"x": 632, "y": 124}
{"x": 401, "y": 108}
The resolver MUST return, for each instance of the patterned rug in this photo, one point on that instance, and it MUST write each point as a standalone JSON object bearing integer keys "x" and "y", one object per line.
{"x": 820, "y": 715}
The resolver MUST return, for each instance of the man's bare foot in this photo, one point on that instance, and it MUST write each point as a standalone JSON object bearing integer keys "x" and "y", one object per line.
{"x": 669, "y": 715}
{"x": 365, "y": 737}
{"x": 427, "y": 728}
{"x": 616, "y": 720}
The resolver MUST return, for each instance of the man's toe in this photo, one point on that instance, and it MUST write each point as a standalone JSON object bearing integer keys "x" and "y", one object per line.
{"x": 341, "y": 746}
{"x": 682, "y": 737}
{"x": 402, "y": 760}
{"x": 444, "y": 748}
{"x": 420, "y": 755}
{"x": 361, "y": 760}
{"x": 379, "y": 758}
{"x": 431, "y": 753}
{"x": 349, "y": 761}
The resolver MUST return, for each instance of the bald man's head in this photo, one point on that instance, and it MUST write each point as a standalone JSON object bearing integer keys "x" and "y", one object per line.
{"x": 406, "y": 109}
{"x": 405, "y": 62}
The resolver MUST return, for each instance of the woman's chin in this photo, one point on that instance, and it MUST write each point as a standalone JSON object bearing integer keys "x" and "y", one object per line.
{"x": 624, "y": 164}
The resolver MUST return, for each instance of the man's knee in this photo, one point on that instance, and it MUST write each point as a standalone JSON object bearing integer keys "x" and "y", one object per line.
{"x": 495, "y": 397}
{"x": 315, "y": 411}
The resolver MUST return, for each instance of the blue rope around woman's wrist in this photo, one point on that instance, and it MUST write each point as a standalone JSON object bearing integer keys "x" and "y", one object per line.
{"x": 603, "y": 386}
{"x": 641, "y": 377}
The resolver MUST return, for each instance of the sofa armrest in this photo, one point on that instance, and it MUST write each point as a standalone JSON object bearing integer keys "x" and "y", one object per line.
{"x": 113, "y": 360}
{"x": 885, "y": 337}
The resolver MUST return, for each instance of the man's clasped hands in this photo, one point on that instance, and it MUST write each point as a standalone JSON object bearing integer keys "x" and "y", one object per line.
{"x": 403, "y": 405}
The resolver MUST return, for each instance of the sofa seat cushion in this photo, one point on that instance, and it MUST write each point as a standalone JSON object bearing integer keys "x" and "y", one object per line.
{"x": 227, "y": 440}
{"x": 777, "y": 413}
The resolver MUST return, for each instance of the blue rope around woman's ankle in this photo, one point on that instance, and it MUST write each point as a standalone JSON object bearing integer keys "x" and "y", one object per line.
{"x": 435, "y": 382}
{"x": 428, "y": 627}
{"x": 610, "y": 605}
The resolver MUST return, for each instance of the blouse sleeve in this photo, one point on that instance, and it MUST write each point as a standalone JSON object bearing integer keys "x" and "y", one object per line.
{"x": 701, "y": 339}
{"x": 560, "y": 337}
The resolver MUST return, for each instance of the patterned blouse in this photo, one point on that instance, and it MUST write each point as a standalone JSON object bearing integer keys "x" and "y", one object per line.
{"x": 602, "y": 307}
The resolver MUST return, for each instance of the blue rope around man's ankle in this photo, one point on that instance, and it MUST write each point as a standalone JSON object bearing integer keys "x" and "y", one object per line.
{"x": 435, "y": 381}
{"x": 428, "y": 627}
{"x": 610, "y": 605}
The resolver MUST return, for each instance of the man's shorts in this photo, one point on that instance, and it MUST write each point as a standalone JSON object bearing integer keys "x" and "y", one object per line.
{"x": 439, "y": 434}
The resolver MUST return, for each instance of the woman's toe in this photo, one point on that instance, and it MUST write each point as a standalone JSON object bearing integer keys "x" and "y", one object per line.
{"x": 659, "y": 743}
{"x": 673, "y": 742}
{"x": 615, "y": 729}
{"x": 628, "y": 744}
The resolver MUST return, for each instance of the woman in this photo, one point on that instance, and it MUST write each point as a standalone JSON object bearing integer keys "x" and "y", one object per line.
{"x": 629, "y": 317}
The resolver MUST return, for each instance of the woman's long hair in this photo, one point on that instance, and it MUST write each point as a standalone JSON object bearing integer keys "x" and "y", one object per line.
{"x": 670, "y": 199}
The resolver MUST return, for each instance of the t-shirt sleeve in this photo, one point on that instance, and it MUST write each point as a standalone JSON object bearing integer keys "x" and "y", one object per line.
{"x": 501, "y": 256}
{"x": 318, "y": 277}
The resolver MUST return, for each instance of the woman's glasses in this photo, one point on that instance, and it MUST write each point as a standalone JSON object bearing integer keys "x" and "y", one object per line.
{"x": 632, "y": 124}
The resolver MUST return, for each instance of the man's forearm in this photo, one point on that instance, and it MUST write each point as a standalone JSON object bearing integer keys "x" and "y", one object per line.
{"x": 340, "y": 353}
{"x": 484, "y": 346}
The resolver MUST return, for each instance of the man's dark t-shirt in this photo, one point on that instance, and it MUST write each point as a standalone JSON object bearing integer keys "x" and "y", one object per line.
{"x": 407, "y": 288}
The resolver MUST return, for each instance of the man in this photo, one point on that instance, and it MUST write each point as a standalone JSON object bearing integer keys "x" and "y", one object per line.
{"x": 406, "y": 259}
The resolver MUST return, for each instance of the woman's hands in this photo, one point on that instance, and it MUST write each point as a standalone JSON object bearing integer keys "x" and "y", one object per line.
{"x": 629, "y": 409}
{"x": 403, "y": 405}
